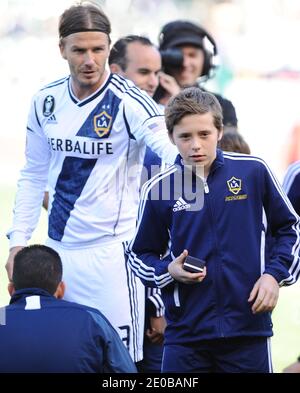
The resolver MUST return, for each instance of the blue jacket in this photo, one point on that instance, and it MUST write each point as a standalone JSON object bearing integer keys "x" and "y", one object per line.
{"x": 291, "y": 185}
{"x": 241, "y": 199}
{"x": 43, "y": 334}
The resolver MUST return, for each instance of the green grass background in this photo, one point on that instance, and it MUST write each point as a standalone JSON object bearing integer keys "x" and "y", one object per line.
{"x": 286, "y": 317}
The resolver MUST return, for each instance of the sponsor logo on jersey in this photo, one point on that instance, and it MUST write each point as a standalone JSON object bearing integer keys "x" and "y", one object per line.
{"x": 102, "y": 124}
{"x": 235, "y": 186}
{"x": 48, "y": 106}
{"x": 52, "y": 119}
{"x": 181, "y": 205}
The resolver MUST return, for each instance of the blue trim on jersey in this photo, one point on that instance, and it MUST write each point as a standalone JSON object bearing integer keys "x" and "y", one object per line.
{"x": 88, "y": 99}
{"x": 110, "y": 104}
{"x": 70, "y": 93}
{"x": 131, "y": 136}
{"x": 117, "y": 87}
{"x": 67, "y": 191}
{"x": 55, "y": 83}
{"x": 138, "y": 96}
{"x": 152, "y": 117}
{"x": 35, "y": 111}
{"x": 97, "y": 93}
{"x": 134, "y": 89}
{"x": 133, "y": 303}
{"x": 123, "y": 90}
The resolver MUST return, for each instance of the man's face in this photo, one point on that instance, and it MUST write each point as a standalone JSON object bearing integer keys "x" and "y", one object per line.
{"x": 193, "y": 61}
{"x": 196, "y": 138}
{"x": 86, "y": 53}
{"x": 143, "y": 66}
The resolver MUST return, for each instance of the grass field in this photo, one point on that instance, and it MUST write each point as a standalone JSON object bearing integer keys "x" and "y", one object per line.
{"x": 286, "y": 317}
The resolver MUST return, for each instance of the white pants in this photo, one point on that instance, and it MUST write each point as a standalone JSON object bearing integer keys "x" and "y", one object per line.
{"x": 99, "y": 277}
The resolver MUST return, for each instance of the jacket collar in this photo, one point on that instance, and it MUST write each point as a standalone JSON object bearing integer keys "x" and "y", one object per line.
{"x": 23, "y": 293}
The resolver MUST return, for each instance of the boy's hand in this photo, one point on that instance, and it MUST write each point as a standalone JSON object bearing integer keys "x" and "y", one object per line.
{"x": 179, "y": 274}
{"x": 157, "y": 330}
{"x": 265, "y": 292}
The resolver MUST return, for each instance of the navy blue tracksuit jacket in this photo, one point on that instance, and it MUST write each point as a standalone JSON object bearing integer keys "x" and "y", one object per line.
{"x": 42, "y": 334}
{"x": 241, "y": 201}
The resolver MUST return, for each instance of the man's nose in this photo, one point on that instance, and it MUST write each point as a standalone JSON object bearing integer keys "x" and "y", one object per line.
{"x": 89, "y": 58}
{"x": 153, "y": 80}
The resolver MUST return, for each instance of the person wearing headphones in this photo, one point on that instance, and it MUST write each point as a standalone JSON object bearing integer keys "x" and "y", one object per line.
{"x": 188, "y": 53}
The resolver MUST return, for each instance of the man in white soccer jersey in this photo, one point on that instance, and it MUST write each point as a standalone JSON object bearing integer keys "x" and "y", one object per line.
{"x": 86, "y": 133}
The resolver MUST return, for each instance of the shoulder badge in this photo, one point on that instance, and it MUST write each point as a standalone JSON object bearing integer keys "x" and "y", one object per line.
{"x": 48, "y": 106}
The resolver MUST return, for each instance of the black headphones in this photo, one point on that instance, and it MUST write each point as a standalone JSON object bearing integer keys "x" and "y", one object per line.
{"x": 210, "y": 53}
{"x": 178, "y": 33}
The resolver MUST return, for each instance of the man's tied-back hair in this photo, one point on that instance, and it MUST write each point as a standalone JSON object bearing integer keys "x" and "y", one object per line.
{"x": 83, "y": 17}
{"x": 193, "y": 101}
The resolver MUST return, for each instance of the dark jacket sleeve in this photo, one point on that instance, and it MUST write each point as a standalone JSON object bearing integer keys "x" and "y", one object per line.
{"x": 283, "y": 223}
{"x": 116, "y": 358}
{"x": 149, "y": 244}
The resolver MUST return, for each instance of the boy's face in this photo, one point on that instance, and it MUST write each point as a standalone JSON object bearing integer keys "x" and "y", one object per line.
{"x": 196, "y": 138}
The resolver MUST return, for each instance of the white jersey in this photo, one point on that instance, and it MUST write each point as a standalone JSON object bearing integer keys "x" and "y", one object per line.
{"x": 92, "y": 150}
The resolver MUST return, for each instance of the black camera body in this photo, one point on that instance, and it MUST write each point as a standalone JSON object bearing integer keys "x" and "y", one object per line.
{"x": 171, "y": 60}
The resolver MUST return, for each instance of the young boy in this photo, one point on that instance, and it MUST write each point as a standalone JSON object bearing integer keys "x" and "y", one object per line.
{"x": 218, "y": 320}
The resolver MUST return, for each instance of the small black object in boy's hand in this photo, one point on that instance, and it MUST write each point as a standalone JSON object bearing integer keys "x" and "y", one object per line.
{"x": 193, "y": 265}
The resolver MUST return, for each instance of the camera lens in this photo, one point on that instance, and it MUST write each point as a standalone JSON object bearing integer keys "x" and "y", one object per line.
{"x": 172, "y": 59}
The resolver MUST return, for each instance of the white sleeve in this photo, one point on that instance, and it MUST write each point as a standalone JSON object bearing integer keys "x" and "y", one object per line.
{"x": 146, "y": 122}
{"x": 31, "y": 184}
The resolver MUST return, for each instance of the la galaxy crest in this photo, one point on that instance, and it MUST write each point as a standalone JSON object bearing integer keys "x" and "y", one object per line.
{"x": 48, "y": 106}
{"x": 235, "y": 186}
{"x": 102, "y": 124}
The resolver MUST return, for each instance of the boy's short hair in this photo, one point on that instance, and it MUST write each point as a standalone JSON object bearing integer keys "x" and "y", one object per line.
{"x": 37, "y": 266}
{"x": 233, "y": 141}
{"x": 193, "y": 101}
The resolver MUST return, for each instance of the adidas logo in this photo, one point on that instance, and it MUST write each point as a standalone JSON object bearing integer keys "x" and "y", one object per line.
{"x": 52, "y": 119}
{"x": 181, "y": 205}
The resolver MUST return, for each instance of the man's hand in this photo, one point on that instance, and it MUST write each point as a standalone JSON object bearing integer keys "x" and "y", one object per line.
{"x": 265, "y": 292}
{"x": 179, "y": 274}
{"x": 10, "y": 261}
{"x": 157, "y": 330}
{"x": 169, "y": 84}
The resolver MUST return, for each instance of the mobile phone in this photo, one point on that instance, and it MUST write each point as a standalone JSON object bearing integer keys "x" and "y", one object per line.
{"x": 193, "y": 265}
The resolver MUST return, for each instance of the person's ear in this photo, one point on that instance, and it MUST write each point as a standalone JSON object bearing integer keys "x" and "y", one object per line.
{"x": 62, "y": 50}
{"x": 60, "y": 290}
{"x": 171, "y": 137}
{"x": 220, "y": 134}
{"x": 11, "y": 288}
{"x": 115, "y": 69}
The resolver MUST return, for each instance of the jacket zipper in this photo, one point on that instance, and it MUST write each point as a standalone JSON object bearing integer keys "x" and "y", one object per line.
{"x": 217, "y": 267}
